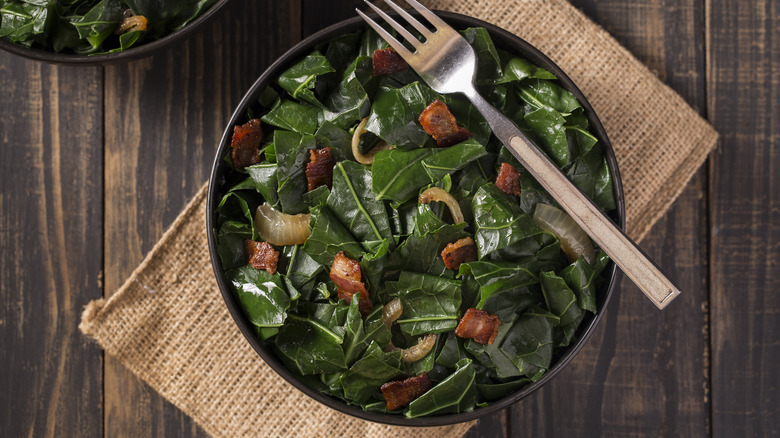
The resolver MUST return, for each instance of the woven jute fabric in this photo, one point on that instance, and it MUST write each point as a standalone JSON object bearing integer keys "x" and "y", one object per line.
{"x": 169, "y": 325}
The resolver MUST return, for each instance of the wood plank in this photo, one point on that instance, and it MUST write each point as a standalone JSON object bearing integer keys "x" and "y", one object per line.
{"x": 643, "y": 371}
{"x": 50, "y": 247}
{"x": 164, "y": 118}
{"x": 743, "y": 49}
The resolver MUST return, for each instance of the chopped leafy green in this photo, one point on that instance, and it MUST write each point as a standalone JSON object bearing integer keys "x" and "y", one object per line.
{"x": 372, "y": 214}
{"x": 89, "y": 26}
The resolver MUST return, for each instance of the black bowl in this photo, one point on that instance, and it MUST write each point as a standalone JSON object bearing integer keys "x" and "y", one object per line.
{"x": 217, "y": 189}
{"x": 134, "y": 52}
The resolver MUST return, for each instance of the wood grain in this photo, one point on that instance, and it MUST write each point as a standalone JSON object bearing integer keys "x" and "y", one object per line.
{"x": 642, "y": 373}
{"x": 743, "y": 48}
{"x": 164, "y": 118}
{"x": 50, "y": 247}
{"x": 95, "y": 163}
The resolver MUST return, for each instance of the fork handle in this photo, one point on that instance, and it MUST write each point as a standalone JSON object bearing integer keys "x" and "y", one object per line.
{"x": 622, "y": 250}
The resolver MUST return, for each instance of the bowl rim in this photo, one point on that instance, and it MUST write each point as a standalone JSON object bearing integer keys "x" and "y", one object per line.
{"x": 136, "y": 52}
{"x": 503, "y": 39}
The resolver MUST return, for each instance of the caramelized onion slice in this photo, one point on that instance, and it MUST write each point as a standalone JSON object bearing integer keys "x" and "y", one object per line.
{"x": 369, "y": 157}
{"x": 278, "y": 228}
{"x": 391, "y": 312}
{"x": 574, "y": 241}
{"x": 419, "y": 351}
{"x": 438, "y": 194}
{"x": 131, "y": 22}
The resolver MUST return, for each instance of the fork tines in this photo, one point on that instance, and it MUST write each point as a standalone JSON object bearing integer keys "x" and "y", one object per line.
{"x": 413, "y": 40}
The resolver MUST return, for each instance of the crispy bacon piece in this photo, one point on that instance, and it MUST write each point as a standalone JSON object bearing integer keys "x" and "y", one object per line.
{"x": 246, "y": 143}
{"x": 400, "y": 393}
{"x": 261, "y": 255}
{"x": 461, "y": 251}
{"x": 508, "y": 180}
{"x": 386, "y": 61}
{"x": 439, "y": 123}
{"x": 345, "y": 272}
{"x": 478, "y": 325}
{"x": 319, "y": 170}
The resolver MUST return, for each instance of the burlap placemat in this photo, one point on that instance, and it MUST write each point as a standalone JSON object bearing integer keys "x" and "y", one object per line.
{"x": 169, "y": 325}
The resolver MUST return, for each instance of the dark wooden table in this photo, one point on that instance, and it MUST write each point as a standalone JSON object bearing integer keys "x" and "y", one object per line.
{"x": 97, "y": 161}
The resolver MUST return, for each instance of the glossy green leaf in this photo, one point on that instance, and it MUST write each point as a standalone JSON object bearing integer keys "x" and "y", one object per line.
{"x": 560, "y": 299}
{"x": 262, "y": 296}
{"x": 498, "y": 220}
{"x": 352, "y": 201}
{"x": 394, "y": 113}
{"x": 457, "y": 393}
{"x": 293, "y": 116}
{"x": 517, "y": 69}
{"x": 329, "y": 236}
{"x": 300, "y": 79}
{"x": 398, "y": 175}
{"x": 374, "y": 369}
{"x": 430, "y": 303}
{"x": 308, "y": 347}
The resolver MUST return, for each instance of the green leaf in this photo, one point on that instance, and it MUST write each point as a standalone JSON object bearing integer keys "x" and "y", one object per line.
{"x": 374, "y": 369}
{"x": 308, "y": 347}
{"x": 548, "y": 125}
{"x": 560, "y": 300}
{"x": 583, "y": 279}
{"x": 517, "y": 69}
{"x": 230, "y": 243}
{"x": 430, "y": 304}
{"x": 23, "y": 22}
{"x": 99, "y": 23}
{"x": 263, "y": 177}
{"x": 349, "y": 102}
{"x": 398, "y": 175}
{"x": 339, "y": 141}
{"x": 329, "y": 236}
{"x": 300, "y": 269}
{"x": 497, "y": 277}
{"x": 499, "y": 221}
{"x": 301, "y": 79}
{"x": 488, "y": 61}
{"x": 293, "y": 116}
{"x": 292, "y": 154}
{"x": 262, "y": 296}
{"x": 540, "y": 93}
{"x": 423, "y": 253}
{"x": 353, "y": 203}
{"x": 529, "y": 344}
{"x": 394, "y": 113}
{"x": 457, "y": 393}
{"x": 495, "y": 391}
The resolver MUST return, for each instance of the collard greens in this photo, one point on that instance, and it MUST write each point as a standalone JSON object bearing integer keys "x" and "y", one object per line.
{"x": 89, "y": 26}
{"x": 372, "y": 214}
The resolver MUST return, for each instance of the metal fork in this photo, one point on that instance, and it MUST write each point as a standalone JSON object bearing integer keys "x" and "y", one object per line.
{"x": 447, "y": 63}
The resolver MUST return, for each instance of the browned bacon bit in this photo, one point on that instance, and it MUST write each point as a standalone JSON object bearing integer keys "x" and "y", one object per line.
{"x": 461, "y": 251}
{"x": 386, "y": 61}
{"x": 261, "y": 255}
{"x": 246, "y": 143}
{"x": 319, "y": 170}
{"x": 478, "y": 325}
{"x": 400, "y": 393}
{"x": 508, "y": 180}
{"x": 439, "y": 123}
{"x": 345, "y": 272}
